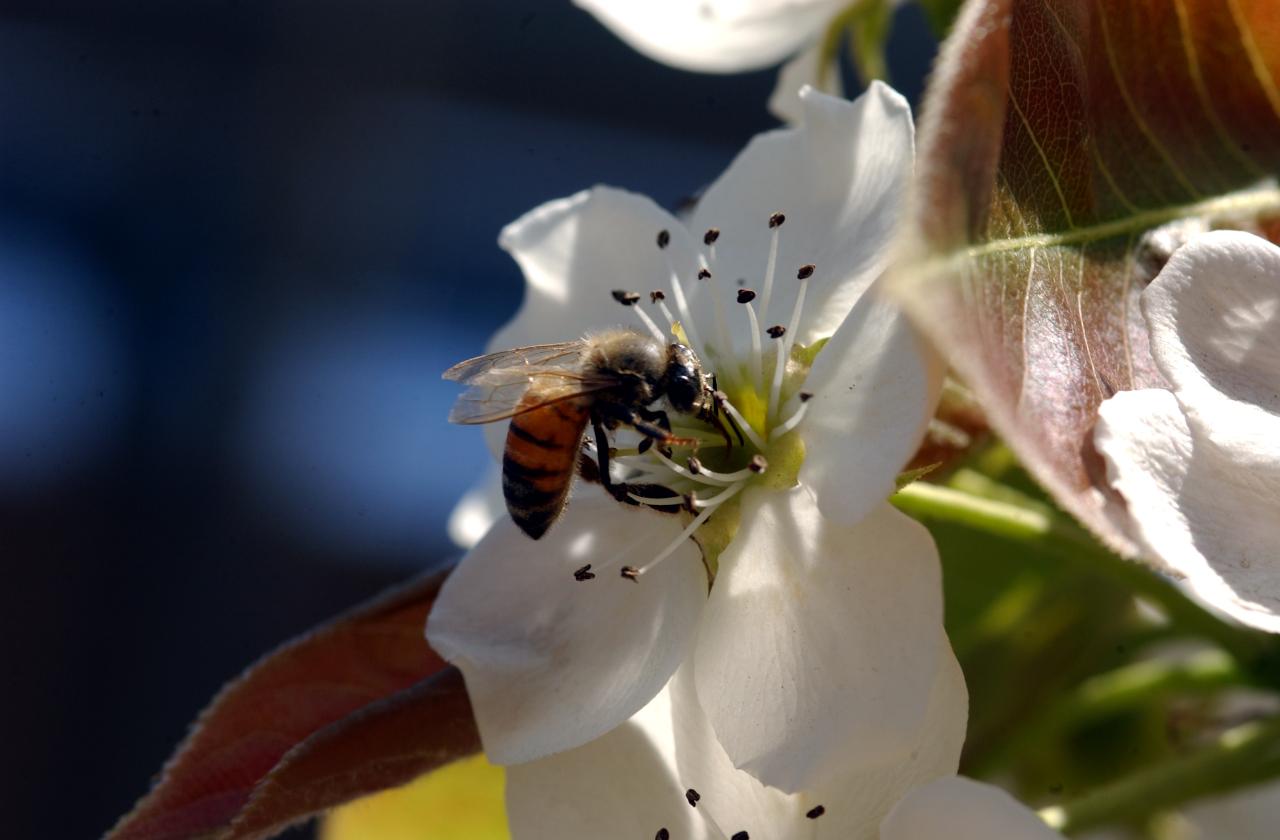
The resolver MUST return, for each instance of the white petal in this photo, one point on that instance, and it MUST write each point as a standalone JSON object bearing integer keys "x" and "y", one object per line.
{"x": 478, "y": 509}
{"x": 839, "y": 178}
{"x": 574, "y": 252}
{"x": 733, "y": 799}
{"x": 1214, "y": 314}
{"x": 1200, "y": 468}
{"x": 855, "y": 797}
{"x": 551, "y": 662}
{"x": 875, "y": 386}
{"x": 819, "y": 635}
{"x": 804, "y": 69}
{"x": 621, "y": 785}
{"x": 962, "y": 809}
{"x": 1249, "y": 814}
{"x": 1193, "y": 506}
{"x": 714, "y": 36}
{"x": 863, "y": 799}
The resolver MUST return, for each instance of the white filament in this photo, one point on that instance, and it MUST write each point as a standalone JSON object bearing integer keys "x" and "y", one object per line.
{"x": 682, "y": 306}
{"x": 753, "y": 361}
{"x": 666, "y": 313}
{"x": 705, "y": 475}
{"x": 648, "y": 322}
{"x": 768, "y": 272}
{"x": 779, "y": 368}
{"x": 691, "y": 528}
{"x": 784, "y": 352}
{"x": 791, "y": 422}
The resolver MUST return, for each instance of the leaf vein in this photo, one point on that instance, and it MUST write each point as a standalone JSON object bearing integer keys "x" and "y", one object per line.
{"x": 1202, "y": 92}
{"x": 1255, "y": 57}
{"x": 1256, "y": 200}
{"x": 1044, "y": 158}
{"x": 1137, "y": 117}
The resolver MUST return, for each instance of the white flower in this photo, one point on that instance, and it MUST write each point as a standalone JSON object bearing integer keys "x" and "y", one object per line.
{"x": 716, "y": 36}
{"x": 664, "y": 769}
{"x": 824, "y": 621}
{"x": 732, "y": 36}
{"x": 1198, "y": 466}
{"x": 961, "y": 809}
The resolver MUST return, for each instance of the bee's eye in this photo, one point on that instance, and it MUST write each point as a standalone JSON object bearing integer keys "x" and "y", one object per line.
{"x": 682, "y": 392}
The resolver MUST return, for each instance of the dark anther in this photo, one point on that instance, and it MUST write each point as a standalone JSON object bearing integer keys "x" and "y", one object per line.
{"x": 815, "y": 812}
{"x": 758, "y": 464}
{"x": 656, "y": 296}
{"x": 631, "y": 573}
{"x": 804, "y": 396}
{"x": 625, "y": 298}
{"x": 664, "y": 238}
{"x": 741, "y": 835}
{"x": 746, "y": 295}
{"x": 805, "y": 272}
{"x": 704, "y": 274}
{"x": 710, "y": 237}
{"x": 693, "y": 796}
{"x": 776, "y": 220}
{"x": 584, "y": 573}
{"x": 662, "y": 834}
{"x": 644, "y": 445}
{"x": 695, "y": 466}
{"x": 776, "y": 331}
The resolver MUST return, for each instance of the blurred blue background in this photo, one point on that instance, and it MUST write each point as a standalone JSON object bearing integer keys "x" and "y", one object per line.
{"x": 239, "y": 241}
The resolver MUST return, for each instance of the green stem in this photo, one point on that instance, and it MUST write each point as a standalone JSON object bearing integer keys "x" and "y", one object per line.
{"x": 1245, "y": 755}
{"x": 1036, "y": 525}
{"x": 1128, "y": 687}
{"x": 1134, "y": 685}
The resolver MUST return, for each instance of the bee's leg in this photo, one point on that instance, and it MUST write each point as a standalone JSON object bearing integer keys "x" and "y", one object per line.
{"x": 646, "y": 427}
{"x": 718, "y": 416}
{"x": 659, "y": 417}
{"x": 602, "y": 457}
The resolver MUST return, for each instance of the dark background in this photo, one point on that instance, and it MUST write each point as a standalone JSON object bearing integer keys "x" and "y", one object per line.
{"x": 238, "y": 243}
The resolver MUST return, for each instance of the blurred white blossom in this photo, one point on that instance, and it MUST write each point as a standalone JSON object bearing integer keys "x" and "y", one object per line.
{"x": 733, "y": 36}
{"x": 1198, "y": 465}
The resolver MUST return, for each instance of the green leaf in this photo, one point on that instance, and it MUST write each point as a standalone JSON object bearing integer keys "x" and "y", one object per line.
{"x": 866, "y": 23}
{"x": 941, "y": 14}
{"x": 1057, "y": 136}
{"x": 868, "y": 37}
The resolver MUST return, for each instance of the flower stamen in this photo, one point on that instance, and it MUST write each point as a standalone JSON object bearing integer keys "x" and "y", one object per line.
{"x": 745, "y": 296}
{"x": 779, "y": 370}
{"x": 784, "y": 350}
{"x": 659, "y": 299}
{"x": 630, "y": 299}
{"x": 656, "y": 501}
{"x": 723, "y": 399}
{"x": 711, "y": 506}
{"x": 682, "y": 305}
{"x": 794, "y": 420}
{"x": 722, "y": 330}
{"x": 775, "y": 226}
{"x": 701, "y": 474}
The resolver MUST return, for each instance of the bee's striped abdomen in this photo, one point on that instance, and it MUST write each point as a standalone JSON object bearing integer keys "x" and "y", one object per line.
{"x": 540, "y": 459}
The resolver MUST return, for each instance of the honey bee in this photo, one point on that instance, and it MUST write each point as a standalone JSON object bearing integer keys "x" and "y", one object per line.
{"x": 551, "y": 392}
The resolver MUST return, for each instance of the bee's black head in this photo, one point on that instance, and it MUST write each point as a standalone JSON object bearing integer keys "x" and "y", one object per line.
{"x": 684, "y": 379}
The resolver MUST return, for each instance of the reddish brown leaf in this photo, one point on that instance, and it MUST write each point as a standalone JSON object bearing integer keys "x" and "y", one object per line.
{"x": 367, "y": 655}
{"x": 1057, "y": 135}
{"x": 386, "y": 744}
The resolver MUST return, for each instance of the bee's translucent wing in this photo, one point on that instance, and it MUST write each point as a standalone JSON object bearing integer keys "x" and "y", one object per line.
{"x": 499, "y": 381}
{"x": 561, "y": 355}
{"x": 487, "y": 403}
